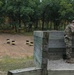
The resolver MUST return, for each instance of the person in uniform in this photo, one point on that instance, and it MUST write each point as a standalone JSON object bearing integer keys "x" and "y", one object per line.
{"x": 69, "y": 32}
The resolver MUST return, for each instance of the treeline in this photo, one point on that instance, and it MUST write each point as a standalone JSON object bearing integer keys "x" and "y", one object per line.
{"x": 28, "y": 15}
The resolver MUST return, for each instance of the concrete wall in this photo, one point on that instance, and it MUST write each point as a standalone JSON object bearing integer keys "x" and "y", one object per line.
{"x": 33, "y": 71}
{"x": 25, "y": 71}
{"x": 61, "y": 72}
{"x": 56, "y": 45}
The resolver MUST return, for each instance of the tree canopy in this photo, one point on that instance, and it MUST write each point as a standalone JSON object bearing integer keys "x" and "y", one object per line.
{"x": 30, "y": 12}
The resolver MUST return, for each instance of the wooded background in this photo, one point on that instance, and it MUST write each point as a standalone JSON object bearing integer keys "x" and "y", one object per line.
{"x": 30, "y": 15}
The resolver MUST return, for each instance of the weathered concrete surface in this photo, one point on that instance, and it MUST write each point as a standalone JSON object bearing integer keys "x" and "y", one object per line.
{"x": 40, "y": 48}
{"x": 61, "y": 72}
{"x": 60, "y": 65}
{"x": 56, "y": 46}
{"x": 51, "y": 71}
{"x": 26, "y": 71}
{"x": 41, "y": 51}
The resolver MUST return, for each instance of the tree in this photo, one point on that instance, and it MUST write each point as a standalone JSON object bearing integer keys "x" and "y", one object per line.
{"x": 35, "y": 17}
{"x": 1, "y": 11}
{"x": 31, "y": 11}
{"x": 66, "y": 10}
{"x": 55, "y": 11}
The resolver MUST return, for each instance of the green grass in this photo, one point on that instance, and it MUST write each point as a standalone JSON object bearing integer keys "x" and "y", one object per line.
{"x": 7, "y": 63}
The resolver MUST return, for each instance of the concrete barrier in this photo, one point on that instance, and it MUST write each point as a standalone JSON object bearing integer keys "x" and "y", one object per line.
{"x": 56, "y": 46}
{"x": 25, "y": 71}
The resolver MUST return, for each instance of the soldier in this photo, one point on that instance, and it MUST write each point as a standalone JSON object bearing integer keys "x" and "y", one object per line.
{"x": 69, "y": 30}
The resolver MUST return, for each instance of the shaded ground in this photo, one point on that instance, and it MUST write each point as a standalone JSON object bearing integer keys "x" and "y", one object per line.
{"x": 15, "y": 56}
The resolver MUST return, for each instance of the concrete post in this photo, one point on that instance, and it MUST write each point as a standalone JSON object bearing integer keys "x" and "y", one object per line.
{"x": 44, "y": 53}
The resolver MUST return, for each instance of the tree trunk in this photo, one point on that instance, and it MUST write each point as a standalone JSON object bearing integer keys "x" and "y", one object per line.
{"x": 15, "y": 28}
{"x": 19, "y": 24}
{"x": 56, "y": 24}
{"x": 47, "y": 25}
{"x": 30, "y": 27}
{"x": 43, "y": 18}
{"x": 51, "y": 25}
{"x": 36, "y": 25}
{"x": 25, "y": 27}
{"x": 43, "y": 24}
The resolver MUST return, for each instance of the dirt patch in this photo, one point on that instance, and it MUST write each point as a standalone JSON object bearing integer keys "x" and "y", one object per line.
{"x": 20, "y": 49}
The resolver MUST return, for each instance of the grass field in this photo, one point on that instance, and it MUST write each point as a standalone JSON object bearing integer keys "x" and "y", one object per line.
{"x": 7, "y": 63}
{"x": 15, "y": 57}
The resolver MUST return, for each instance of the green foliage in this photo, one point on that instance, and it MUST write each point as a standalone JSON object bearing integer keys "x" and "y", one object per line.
{"x": 66, "y": 10}
{"x": 57, "y": 10}
{"x": 34, "y": 11}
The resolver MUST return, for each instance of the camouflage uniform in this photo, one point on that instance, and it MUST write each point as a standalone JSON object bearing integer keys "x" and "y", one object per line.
{"x": 68, "y": 39}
